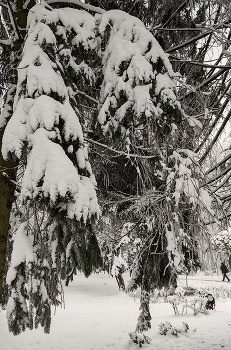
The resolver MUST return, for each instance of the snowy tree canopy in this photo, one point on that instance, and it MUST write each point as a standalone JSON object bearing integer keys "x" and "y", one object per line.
{"x": 137, "y": 84}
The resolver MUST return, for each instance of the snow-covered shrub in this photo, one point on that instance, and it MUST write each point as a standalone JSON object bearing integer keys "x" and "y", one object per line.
{"x": 181, "y": 305}
{"x": 139, "y": 339}
{"x": 166, "y": 328}
{"x": 177, "y": 303}
{"x": 180, "y": 292}
{"x": 185, "y": 326}
{"x": 164, "y": 292}
{"x": 198, "y": 305}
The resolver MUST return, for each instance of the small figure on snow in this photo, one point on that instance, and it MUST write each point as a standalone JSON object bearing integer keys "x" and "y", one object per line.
{"x": 224, "y": 271}
{"x": 210, "y": 304}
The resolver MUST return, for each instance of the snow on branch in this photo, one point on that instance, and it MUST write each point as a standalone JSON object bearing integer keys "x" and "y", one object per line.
{"x": 183, "y": 180}
{"x": 138, "y": 83}
{"x": 6, "y": 42}
{"x": 44, "y": 130}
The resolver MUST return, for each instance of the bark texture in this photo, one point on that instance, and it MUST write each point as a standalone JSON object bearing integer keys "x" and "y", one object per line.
{"x": 7, "y": 174}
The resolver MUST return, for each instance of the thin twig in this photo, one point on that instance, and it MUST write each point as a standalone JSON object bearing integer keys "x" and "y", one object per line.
{"x": 121, "y": 153}
{"x": 175, "y": 59}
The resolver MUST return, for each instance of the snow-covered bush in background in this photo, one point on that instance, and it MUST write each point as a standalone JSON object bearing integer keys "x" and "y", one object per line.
{"x": 155, "y": 296}
{"x": 180, "y": 292}
{"x": 166, "y": 328}
{"x": 221, "y": 243}
{"x": 216, "y": 291}
{"x": 182, "y": 305}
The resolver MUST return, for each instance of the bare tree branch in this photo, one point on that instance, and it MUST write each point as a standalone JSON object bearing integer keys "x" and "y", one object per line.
{"x": 6, "y": 42}
{"x": 223, "y": 183}
{"x": 13, "y": 21}
{"x": 216, "y": 137}
{"x": 121, "y": 153}
{"x": 206, "y": 82}
{"x": 218, "y": 164}
{"x": 218, "y": 176}
{"x": 83, "y": 94}
{"x": 182, "y": 29}
{"x": 226, "y": 46}
{"x": 77, "y": 4}
{"x": 175, "y": 13}
{"x": 219, "y": 115}
{"x": 175, "y": 59}
{"x": 196, "y": 38}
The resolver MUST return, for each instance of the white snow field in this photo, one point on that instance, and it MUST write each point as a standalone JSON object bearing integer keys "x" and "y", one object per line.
{"x": 97, "y": 316}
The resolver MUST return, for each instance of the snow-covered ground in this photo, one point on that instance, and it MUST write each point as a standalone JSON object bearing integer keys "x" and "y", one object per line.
{"x": 99, "y": 317}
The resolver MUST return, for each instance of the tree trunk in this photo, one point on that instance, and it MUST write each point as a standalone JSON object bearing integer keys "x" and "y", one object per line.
{"x": 120, "y": 281}
{"x": 7, "y": 173}
{"x": 8, "y": 168}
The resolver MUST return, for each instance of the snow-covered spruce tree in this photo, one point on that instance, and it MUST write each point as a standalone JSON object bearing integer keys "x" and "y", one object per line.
{"x": 138, "y": 105}
{"x": 45, "y": 134}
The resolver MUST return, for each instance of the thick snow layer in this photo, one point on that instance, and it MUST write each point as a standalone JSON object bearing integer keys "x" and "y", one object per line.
{"x": 22, "y": 251}
{"x": 128, "y": 71}
{"x": 48, "y": 163}
{"x": 44, "y": 125}
{"x": 81, "y": 22}
{"x": 99, "y": 317}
